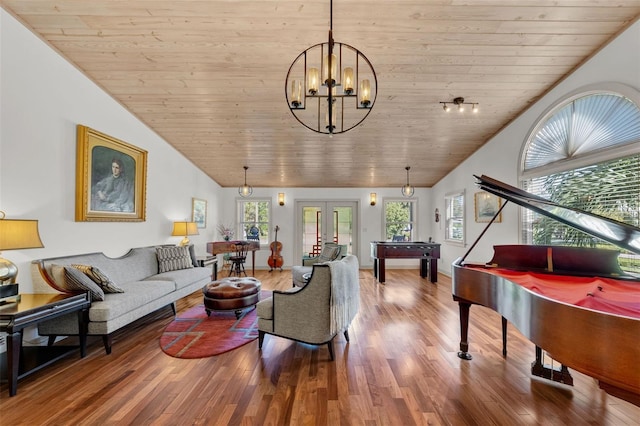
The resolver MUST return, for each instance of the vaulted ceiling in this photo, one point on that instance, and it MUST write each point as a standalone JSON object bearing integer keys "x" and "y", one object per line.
{"x": 209, "y": 76}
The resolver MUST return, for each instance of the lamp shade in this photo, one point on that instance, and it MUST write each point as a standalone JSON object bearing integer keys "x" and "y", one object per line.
{"x": 18, "y": 234}
{"x": 182, "y": 229}
{"x": 15, "y": 234}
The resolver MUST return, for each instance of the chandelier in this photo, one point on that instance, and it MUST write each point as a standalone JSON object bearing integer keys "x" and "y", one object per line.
{"x": 331, "y": 87}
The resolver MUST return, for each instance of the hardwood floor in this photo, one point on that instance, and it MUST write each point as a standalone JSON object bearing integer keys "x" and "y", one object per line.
{"x": 400, "y": 368}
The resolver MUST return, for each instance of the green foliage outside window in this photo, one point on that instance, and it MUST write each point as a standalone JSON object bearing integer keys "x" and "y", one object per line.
{"x": 399, "y": 218}
{"x": 610, "y": 189}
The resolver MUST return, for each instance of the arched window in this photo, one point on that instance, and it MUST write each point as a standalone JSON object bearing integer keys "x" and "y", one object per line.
{"x": 585, "y": 153}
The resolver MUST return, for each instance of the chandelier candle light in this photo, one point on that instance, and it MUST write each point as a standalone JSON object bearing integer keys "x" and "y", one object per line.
{"x": 331, "y": 102}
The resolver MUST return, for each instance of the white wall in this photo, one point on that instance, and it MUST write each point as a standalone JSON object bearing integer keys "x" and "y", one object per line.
{"x": 617, "y": 64}
{"x": 42, "y": 99}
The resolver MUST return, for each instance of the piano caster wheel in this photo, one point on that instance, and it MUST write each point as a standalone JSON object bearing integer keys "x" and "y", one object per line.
{"x": 465, "y": 355}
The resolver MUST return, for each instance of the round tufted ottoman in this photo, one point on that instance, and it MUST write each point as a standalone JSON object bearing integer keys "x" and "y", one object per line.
{"x": 231, "y": 294}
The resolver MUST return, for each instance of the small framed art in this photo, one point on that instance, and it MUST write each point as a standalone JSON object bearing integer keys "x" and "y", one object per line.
{"x": 486, "y": 206}
{"x": 199, "y": 212}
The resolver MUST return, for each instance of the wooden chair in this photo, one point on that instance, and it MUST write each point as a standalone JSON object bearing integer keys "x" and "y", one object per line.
{"x": 238, "y": 259}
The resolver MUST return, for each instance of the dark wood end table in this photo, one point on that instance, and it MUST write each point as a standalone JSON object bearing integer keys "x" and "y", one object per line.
{"x": 209, "y": 261}
{"x": 29, "y": 310}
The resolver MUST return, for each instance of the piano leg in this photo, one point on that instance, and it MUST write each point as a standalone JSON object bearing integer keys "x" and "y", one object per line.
{"x": 504, "y": 336}
{"x": 561, "y": 375}
{"x": 464, "y": 330}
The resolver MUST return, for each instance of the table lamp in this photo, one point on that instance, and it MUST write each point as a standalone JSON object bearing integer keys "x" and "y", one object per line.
{"x": 184, "y": 229}
{"x": 15, "y": 234}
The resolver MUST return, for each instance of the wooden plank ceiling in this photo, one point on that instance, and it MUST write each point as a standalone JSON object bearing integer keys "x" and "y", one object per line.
{"x": 209, "y": 75}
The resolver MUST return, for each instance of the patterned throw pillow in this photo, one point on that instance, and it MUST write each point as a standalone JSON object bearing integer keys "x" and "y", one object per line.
{"x": 77, "y": 281}
{"x": 173, "y": 258}
{"x": 329, "y": 253}
{"x": 98, "y": 277}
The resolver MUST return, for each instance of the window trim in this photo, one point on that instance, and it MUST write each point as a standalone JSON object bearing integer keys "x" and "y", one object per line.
{"x": 239, "y": 221}
{"x": 612, "y": 88}
{"x": 447, "y": 197}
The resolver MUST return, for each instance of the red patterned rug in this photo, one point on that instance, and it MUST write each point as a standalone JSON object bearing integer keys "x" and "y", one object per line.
{"x": 194, "y": 335}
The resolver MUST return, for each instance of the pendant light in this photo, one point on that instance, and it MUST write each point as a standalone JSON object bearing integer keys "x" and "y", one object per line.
{"x": 408, "y": 190}
{"x": 245, "y": 190}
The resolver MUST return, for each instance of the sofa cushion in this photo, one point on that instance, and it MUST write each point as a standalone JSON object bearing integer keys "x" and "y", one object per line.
{"x": 137, "y": 294}
{"x": 183, "y": 277}
{"x": 98, "y": 277}
{"x": 75, "y": 280}
{"x": 173, "y": 258}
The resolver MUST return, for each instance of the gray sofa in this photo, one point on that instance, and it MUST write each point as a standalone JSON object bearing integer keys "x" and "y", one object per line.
{"x": 144, "y": 288}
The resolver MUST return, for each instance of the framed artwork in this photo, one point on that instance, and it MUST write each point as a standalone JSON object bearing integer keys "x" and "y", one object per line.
{"x": 111, "y": 179}
{"x": 199, "y": 212}
{"x": 486, "y": 206}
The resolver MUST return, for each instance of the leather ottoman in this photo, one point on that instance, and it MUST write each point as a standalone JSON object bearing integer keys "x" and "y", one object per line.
{"x": 231, "y": 294}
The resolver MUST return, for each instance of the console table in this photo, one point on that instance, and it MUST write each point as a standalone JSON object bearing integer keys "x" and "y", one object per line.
{"x": 219, "y": 247}
{"x": 28, "y": 310}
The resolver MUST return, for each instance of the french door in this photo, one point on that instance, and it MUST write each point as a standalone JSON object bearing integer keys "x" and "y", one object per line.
{"x": 318, "y": 222}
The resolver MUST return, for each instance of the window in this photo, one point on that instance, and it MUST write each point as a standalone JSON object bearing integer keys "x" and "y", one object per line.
{"x": 254, "y": 214}
{"x": 454, "y": 217}
{"x": 399, "y": 220}
{"x": 585, "y": 155}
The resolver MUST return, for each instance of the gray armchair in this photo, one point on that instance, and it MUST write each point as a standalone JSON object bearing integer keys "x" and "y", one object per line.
{"x": 330, "y": 251}
{"x": 317, "y": 312}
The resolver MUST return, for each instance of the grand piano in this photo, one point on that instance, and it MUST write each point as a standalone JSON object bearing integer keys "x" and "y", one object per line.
{"x": 574, "y": 303}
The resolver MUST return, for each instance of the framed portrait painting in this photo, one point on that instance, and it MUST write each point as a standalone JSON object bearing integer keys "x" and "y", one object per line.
{"x": 111, "y": 179}
{"x": 486, "y": 206}
{"x": 199, "y": 212}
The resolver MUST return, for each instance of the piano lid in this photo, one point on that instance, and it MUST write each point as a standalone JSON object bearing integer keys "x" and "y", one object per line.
{"x": 618, "y": 233}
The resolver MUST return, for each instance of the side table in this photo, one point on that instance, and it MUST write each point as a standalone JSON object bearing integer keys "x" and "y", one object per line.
{"x": 209, "y": 261}
{"x": 30, "y": 309}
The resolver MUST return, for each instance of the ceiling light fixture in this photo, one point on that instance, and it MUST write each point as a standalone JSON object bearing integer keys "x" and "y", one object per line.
{"x": 245, "y": 190}
{"x": 408, "y": 190}
{"x": 313, "y": 80}
{"x": 460, "y": 103}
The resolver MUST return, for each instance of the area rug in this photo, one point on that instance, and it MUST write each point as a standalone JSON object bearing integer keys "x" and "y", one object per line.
{"x": 195, "y": 335}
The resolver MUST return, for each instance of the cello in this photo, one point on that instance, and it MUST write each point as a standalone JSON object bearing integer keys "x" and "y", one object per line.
{"x": 275, "y": 260}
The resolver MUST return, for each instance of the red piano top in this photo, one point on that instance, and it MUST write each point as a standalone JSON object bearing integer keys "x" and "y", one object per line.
{"x": 600, "y": 294}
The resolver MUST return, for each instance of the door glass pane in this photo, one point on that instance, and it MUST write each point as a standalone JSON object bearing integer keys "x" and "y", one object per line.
{"x": 311, "y": 231}
{"x": 343, "y": 227}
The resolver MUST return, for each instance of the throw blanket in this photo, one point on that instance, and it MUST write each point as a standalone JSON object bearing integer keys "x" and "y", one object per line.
{"x": 345, "y": 292}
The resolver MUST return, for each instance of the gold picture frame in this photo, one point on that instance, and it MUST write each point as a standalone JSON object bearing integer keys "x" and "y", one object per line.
{"x": 199, "y": 212}
{"x": 111, "y": 179}
{"x": 486, "y": 206}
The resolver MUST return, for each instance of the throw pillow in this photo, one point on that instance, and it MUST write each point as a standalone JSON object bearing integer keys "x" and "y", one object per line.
{"x": 173, "y": 258}
{"x": 78, "y": 281}
{"x": 98, "y": 277}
